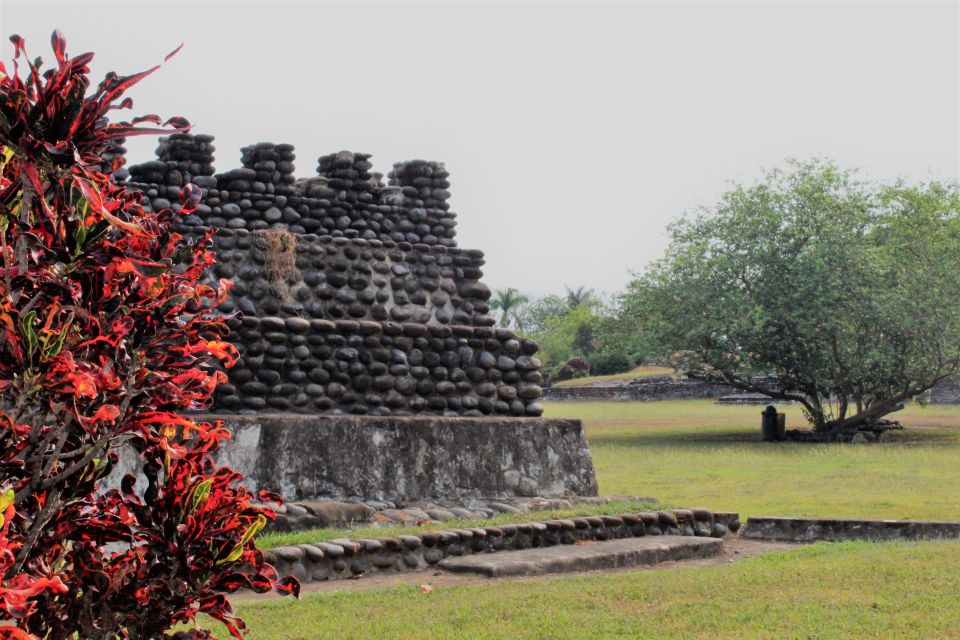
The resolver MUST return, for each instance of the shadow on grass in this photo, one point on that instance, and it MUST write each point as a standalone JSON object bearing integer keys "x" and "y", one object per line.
{"x": 685, "y": 439}
{"x": 694, "y": 439}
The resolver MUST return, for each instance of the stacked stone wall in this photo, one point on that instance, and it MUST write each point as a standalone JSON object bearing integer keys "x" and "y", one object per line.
{"x": 946, "y": 392}
{"x": 422, "y": 184}
{"x": 265, "y": 194}
{"x": 349, "y": 296}
{"x": 338, "y": 278}
{"x": 363, "y": 367}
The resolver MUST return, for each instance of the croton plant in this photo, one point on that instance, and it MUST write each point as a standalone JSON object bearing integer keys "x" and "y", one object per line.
{"x": 106, "y": 337}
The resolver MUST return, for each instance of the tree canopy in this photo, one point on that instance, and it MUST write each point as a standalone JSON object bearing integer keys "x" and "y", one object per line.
{"x": 506, "y": 301}
{"x": 813, "y": 286}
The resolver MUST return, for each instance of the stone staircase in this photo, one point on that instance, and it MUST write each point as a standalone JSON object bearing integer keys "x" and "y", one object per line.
{"x": 640, "y": 538}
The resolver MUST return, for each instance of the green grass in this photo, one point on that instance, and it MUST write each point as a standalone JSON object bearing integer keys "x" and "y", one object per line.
{"x": 846, "y": 590}
{"x": 269, "y": 540}
{"x": 697, "y": 453}
{"x": 645, "y": 371}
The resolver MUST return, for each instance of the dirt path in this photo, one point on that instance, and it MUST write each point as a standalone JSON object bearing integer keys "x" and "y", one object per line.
{"x": 734, "y": 549}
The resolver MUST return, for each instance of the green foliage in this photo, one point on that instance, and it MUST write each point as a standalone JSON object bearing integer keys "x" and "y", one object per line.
{"x": 610, "y": 363}
{"x": 848, "y": 293}
{"x": 578, "y": 325}
{"x": 531, "y": 318}
{"x": 620, "y": 337}
{"x": 506, "y": 301}
{"x": 582, "y": 296}
{"x": 565, "y": 336}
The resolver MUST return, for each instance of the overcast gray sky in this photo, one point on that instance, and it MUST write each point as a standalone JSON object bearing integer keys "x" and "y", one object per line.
{"x": 574, "y": 132}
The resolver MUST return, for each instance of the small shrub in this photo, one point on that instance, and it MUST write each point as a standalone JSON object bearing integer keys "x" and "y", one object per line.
{"x": 105, "y": 334}
{"x": 574, "y": 368}
{"x": 610, "y": 363}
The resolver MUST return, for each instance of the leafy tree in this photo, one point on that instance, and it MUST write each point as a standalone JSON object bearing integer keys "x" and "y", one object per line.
{"x": 506, "y": 302}
{"x": 575, "y": 325}
{"x": 532, "y": 316}
{"x": 105, "y": 334}
{"x": 621, "y": 338}
{"x": 582, "y": 296}
{"x": 565, "y": 336}
{"x": 847, "y": 293}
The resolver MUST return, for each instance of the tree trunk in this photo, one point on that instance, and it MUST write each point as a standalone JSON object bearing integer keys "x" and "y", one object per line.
{"x": 820, "y": 424}
{"x": 875, "y": 412}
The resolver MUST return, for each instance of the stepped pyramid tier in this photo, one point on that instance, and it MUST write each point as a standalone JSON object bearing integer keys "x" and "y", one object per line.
{"x": 350, "y": 296}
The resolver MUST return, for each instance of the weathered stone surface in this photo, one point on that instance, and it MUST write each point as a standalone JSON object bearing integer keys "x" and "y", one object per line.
{"x": 338, "y": 514}
{"x": 289, "y": 554}
{"x": 644, "y": 390}
{"x": 440, "y": 515}
{"x": 405, "y": 458}
{"x": 816, "y": 529}
{"x": 945, "y": 392}
{"x": 616, "y": 554}
{"x": 330, "y": 550}
{"x": 343, "y": 558}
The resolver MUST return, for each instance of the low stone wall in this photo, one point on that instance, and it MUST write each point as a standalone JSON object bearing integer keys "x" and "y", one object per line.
{"x": 641, "y": 390}
{"x": 336, "y": 514}
{"x": 403, "y": 459}
{"x": 364, "y": 367}
{"x": 667, "y": 388}
{"x": 344, "y": 558}
{"x": 947, "y": 392}
{"x": 831, "y": 530}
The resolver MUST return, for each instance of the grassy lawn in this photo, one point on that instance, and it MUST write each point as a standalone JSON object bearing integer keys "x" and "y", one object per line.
{"x": 847, "y": 590}
{"x": 697, "y": 453}
{"x": 644, "y": 371}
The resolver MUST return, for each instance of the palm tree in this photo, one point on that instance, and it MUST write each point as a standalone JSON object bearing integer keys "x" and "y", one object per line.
{"x": 506, "y": 301}
{"x": 581, "y": 295}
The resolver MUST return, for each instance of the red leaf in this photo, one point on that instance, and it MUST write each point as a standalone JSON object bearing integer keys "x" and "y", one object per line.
{"x": 83, "y": 385}
{"x": 92, "y": 196}
{"x": 59, "y": 44}
{"x": 173, "y": 53}
{"x": 12, "y": 633}
{"x": 181, "y": 124}
{"x": 288, "y": 585}
{"x": 107, "y": 412}
{"x": 18, "y": 44}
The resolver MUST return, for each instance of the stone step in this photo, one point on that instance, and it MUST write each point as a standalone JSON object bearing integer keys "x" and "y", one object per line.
{"x": 615, "y": 554}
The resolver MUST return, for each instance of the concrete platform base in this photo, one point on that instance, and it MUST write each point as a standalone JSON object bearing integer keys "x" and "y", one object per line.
{"x": 403, "y": 458}
{"x": 615, "y": 554}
